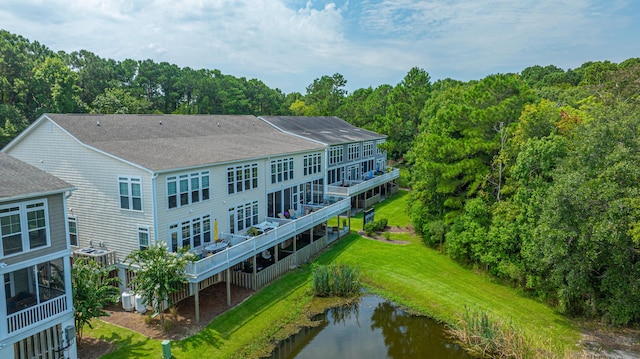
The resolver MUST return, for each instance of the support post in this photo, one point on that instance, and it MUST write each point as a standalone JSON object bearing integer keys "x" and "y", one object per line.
{"x": 229, "y": 287}
{"x": 196, "y": 297}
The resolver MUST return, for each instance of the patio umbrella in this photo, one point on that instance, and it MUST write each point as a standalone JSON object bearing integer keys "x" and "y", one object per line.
{"x": 215, "y": 230}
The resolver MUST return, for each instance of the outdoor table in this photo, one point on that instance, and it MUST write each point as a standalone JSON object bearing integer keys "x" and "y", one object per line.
{"x": 216, "y": 247}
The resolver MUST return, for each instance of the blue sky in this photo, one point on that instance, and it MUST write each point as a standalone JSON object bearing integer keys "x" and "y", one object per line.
{"x": 289, "y": 43}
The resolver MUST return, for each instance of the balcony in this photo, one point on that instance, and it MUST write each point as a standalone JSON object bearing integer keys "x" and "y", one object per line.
{"x": 243, "y": 248}
{"x": 35, "y": 314}
{"x": 359, "y": 187}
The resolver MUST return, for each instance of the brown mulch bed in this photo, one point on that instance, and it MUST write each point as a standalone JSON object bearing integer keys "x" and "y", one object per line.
{"x": 213, "y": 302}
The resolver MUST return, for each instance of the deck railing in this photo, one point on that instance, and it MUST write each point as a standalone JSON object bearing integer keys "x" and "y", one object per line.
{"x": 35, "y": 314}
{"x": 251, "y": 246}
{"x": 363, "y": 186}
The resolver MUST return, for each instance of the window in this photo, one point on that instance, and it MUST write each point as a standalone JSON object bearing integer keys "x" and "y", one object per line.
{"x": 353, "y": 151}
{"x": 334, "y": 175}
{"x": 282, "y": 170}
{"x": 312, "y": 164}
{"x": 73, "y": 230}
{"x": 335, "y": 155}
{"x": 367, "y": 149}
{"x": 143, "y": 237}
{"x": 190, "y": 233}
{"x": 185, "y": 189}
{"x": 130, "y": 193}
{"x": 242, "y": 178}
{"x": 23, "y": 226}
{"x": 30, "y": 286}
{"x": 379, "y": 150}
{"x": 243, "y": 216}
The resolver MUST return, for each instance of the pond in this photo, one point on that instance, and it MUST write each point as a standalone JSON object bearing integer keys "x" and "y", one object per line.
{"x": 371, "y": 328}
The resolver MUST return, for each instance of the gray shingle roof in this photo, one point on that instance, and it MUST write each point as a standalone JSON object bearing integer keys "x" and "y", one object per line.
{"x": 326, "y": 129}
{"x": 164, "y": 142}
{"x": 19, "y": 179}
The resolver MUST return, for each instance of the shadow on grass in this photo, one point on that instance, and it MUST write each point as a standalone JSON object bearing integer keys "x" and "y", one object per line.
{"x": 126, "y": 346}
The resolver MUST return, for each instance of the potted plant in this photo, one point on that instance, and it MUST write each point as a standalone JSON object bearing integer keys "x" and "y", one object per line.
{"x": 253, "y": 231}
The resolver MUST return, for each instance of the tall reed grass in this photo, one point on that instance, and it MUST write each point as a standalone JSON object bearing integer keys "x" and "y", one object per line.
{"x": 487, "y": 337}
{"x": 336, "y": 280}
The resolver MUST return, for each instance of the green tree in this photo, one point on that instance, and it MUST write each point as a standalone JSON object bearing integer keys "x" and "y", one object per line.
{"x": 402, "y": 119}
{"x": 93, "y": 290}
{"x": 159, "y": 274}
{"x": 57, "y": 89}
{"x": 119, "y": 100}
{"x": 325, "y": 95}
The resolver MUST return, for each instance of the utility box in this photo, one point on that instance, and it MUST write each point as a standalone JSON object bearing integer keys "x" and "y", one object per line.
{"x": 166, "y": 349}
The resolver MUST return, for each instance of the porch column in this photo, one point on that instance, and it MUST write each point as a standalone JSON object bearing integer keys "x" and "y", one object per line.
{"x": 228, "y": 287}
{"x": 255, "y": 273}
{"x": 196, "y": 297}
{"x": 295, "y": 250}
{"x": 275, "y": 253}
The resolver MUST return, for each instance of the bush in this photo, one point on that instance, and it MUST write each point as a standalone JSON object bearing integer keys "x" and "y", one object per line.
{"x": 339, "y": 280}
{"x": 375, "y": 226}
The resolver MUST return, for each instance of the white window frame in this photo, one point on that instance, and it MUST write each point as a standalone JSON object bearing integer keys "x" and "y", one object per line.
{"x": 378, "y": 149}
{"x": 335, "y": 155}
{"x": 282, "y": 170}
{"x": 130, "y": 182}
{"x": 242, "y": 178}
{"x": 312, "y": 164}
{"x": 22, "y": 210}
{"x": 195, "y": 226}
{"x": 143, "y": 231}
{"x": 353, "y": 151}
{"x": 197, "y": 188}
{"x": 367, "y": 149}
{"x": 74, "y": 220}
{"x": 243, "y": 216}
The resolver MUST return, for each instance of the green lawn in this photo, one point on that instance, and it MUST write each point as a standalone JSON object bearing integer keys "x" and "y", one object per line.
{"x": 412, "y": 275}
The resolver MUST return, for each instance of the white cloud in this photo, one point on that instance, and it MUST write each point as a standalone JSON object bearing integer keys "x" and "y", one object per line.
{"x": 288, "y": 43}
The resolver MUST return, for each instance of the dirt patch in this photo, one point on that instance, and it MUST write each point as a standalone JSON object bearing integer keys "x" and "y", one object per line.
{"x": 92, "y": 348}
{"x": 602, "y": 342}
{"x": 213, "y": 302}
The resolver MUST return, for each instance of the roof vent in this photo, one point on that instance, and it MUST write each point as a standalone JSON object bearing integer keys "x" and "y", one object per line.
{"x": 97, "y": 123}
{"x": 218, "y": 124}
{"x": 160, "y": 122}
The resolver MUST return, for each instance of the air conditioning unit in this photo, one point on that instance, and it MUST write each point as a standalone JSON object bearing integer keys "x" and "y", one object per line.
{"x": 127, "y": 301}
{"x": 141, "y": 306}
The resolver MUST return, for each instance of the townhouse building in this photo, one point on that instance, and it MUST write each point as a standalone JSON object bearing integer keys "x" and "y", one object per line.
{"x": 36, "y": 303}
{"x": 249, "y": 197}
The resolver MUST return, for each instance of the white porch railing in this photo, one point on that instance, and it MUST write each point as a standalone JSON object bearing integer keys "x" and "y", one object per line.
{"x": 251, "y": 246}
{"x": 35, "y": 314}
{"x": 363, "y": 186}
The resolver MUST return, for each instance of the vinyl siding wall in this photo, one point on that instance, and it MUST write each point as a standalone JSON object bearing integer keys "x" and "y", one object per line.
{"x": 57, "y": 231}
{"x": 95, "y": 203}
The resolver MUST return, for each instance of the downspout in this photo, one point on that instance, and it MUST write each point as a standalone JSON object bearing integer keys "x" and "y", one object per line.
{"x": 154, "y": 203}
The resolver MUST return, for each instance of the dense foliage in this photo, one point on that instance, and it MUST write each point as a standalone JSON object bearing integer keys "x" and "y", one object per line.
{"x": 93, "y": 289}
{"x": 532, "y": 176}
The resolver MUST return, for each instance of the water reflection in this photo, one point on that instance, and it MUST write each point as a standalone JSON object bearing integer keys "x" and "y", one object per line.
{"x": 372, "y": 328}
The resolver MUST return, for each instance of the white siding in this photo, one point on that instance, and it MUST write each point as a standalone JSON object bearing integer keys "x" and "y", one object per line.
{"x": 96, "y": 201}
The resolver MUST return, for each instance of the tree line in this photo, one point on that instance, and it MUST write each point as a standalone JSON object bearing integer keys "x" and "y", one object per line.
{"x": 532, "y": 177}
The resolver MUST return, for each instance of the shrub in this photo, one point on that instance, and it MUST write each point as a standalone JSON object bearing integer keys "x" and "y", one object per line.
{"x": 339, "y": 280}
{"x": 375, "y": 226}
